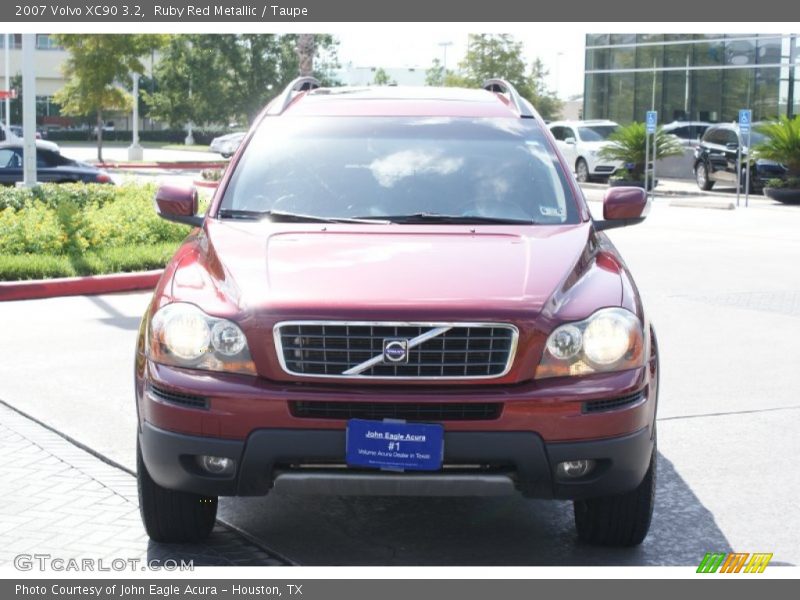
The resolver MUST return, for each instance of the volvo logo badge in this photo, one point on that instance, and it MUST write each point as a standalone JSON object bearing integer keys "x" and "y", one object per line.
{"x": 395, "y": 351}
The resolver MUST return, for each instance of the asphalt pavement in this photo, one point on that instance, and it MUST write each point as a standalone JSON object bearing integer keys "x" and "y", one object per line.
{"x": 721, "y": 286}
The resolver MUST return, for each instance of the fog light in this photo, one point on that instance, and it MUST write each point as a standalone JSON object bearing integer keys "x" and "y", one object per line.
{"x": 572, "y": 469}
{"x": 216, "y": 465}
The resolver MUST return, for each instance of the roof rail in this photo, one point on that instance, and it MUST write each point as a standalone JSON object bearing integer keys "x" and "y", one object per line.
{"x": 501, "y": 86}
{"x": 301, "y": 84}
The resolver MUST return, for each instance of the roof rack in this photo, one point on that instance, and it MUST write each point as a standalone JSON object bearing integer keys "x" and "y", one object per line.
{"x": 501, "y": 86}
{"x": 301, "y": 84}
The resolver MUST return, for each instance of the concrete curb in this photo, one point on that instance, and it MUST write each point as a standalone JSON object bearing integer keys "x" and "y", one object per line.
{"x": 188, "y": 165}
{"x": 659, "y": 192}
{"x": 78, "y": 286}
{"x": 704, "y": 203}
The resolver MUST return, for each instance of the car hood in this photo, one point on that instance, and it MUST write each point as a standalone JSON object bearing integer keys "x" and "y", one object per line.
{"x": 332, "y": 271}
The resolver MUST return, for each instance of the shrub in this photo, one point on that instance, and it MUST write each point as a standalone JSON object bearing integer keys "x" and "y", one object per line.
{"x": 81, "y": 194}
{"x": 32, "y": 229}
{"x": 78, "y": 229}
{"x": 170, "y": 136}
{"x": 782, "y": 144}
{"x": 628, "y": 144}
{"x": 129, "y": 220}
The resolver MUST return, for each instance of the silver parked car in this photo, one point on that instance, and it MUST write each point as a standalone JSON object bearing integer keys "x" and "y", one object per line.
{"x": 226, "y": 145}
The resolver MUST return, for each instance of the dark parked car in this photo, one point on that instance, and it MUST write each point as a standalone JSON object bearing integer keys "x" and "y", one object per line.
{"x": 715, "y": 159}
{"x": 688, "y": 132}
{"x": 398, "y": 291}
{"x": 51, "y": 167}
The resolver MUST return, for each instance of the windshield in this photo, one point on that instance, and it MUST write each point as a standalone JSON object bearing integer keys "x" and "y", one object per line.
{"x": 596, "y": 133}
{"x": 756, "y": 138}
{"x": 373, "y": 167}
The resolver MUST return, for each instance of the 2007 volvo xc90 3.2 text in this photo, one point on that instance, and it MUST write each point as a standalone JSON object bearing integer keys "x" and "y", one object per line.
{"x": 397, "y": 291}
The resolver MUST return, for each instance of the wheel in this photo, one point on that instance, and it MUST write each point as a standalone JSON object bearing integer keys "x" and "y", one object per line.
{"x": 171, "y": 516}
{"x": 619, "y": 520}
{"x": 582, "y": 170}
{"x": 701, "y": 176}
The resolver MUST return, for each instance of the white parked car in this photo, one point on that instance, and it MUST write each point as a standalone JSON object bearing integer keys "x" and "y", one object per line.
{"x": 10, "y": 136}
{"x": 580, "y": 142}
{"x": 227, "y": 145}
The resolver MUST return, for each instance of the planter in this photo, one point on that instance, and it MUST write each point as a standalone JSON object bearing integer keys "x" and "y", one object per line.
{"x": 785, "y": 195}
{"x": 630, "y": 183}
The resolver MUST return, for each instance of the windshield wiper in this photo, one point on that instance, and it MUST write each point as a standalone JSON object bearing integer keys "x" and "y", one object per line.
{"x": 290, "y": 217}
{"x": 425, "y": 217}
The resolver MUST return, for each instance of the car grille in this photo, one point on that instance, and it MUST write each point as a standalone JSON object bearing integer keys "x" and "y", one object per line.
{"x": 410, "y": 411}
{"x": 432, "y": 350}
{"x": 594, "y": 406}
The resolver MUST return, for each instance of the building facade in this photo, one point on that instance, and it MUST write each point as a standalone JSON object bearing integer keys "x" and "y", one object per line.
{"x": 691, "y": 77}
{"x": 49, "y": 76}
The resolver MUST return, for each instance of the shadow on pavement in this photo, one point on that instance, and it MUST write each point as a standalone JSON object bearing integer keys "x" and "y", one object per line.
{"x": 115, "y": 317}
{"x": 332, "y": 530}
{"x": 223, "y": 548}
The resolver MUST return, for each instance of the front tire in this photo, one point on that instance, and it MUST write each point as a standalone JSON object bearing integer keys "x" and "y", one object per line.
{"x": 619, "y": 520}
{"x": 582, "y": 171}
{"x": 701, "y": 177}
{"x": 170, "y": 516}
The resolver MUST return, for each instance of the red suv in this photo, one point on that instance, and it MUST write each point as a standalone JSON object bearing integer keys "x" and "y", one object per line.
{"x": 398, "y": 291}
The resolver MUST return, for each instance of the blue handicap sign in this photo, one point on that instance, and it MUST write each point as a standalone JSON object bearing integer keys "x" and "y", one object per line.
{"x": 745, "y": 118}
{"x": 651, "y": 120}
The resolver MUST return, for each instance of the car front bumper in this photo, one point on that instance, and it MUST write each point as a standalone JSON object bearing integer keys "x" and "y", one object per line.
{"x": 476, "y": 463}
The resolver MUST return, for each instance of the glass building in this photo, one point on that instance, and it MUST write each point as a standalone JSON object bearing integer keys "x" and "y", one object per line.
{"x": 691, "y": 77}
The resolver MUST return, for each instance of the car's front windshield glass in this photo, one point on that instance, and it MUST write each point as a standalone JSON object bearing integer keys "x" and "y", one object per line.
{"x": 373, "y": 167}
{"x": 597, "y": 133}
{"x": 756, "y": 138}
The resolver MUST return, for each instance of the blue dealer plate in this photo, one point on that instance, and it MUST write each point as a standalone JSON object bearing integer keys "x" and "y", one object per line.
{"x": 391, "y": 445}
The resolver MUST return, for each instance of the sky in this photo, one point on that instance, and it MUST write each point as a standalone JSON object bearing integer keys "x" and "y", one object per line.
{"x": 562, "y": 52}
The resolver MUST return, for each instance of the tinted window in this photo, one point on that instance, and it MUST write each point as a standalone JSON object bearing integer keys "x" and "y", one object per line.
{"x": 380, "y": 166}
{"x": 686, "y": 132}
{"x": 715, "y": 136}
{"x": 47, "y": 159}
{"x": 730, "y": 137}
{"x": 596, "y": 133}
{"x": 8, "y": 158}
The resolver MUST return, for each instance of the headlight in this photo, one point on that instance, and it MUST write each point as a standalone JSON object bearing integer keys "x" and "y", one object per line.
{"x": 182, "y": 335}
{"x": 612, "y": 339}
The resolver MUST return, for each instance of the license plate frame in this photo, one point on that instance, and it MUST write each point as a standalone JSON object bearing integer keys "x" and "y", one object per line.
{"x": 394, "y": 445}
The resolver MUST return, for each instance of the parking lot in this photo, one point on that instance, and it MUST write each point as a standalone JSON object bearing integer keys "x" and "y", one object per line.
{"x": 721, "y": 286}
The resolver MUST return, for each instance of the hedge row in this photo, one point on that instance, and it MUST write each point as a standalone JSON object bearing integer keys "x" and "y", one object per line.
{"x": 57, "y": 230}
{"x": 170, "y": 136}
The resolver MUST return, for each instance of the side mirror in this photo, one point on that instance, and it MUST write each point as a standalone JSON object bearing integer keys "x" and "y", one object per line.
{"x": 178, "y": 203}
{"x": 570, "y": 141}
{"x": 732, "y": 146}
{"x": 623, "y": 206}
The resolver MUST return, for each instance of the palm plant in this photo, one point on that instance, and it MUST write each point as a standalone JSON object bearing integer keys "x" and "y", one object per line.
{"x": 782, "y": 144}
{"x": 628, "y": 145}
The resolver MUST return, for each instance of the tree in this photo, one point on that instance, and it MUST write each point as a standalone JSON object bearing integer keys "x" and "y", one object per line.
{"x": 545, "y": 100}
{"x": 382, "y": 78}
{"x": 96, "y": 68}
{"x": 306, "y": 49}
{"x": 232, "y": 76}
{"x": 500, "y": 55}
{"x": 15, "y": 108}
{"x": 435, "y": 74}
